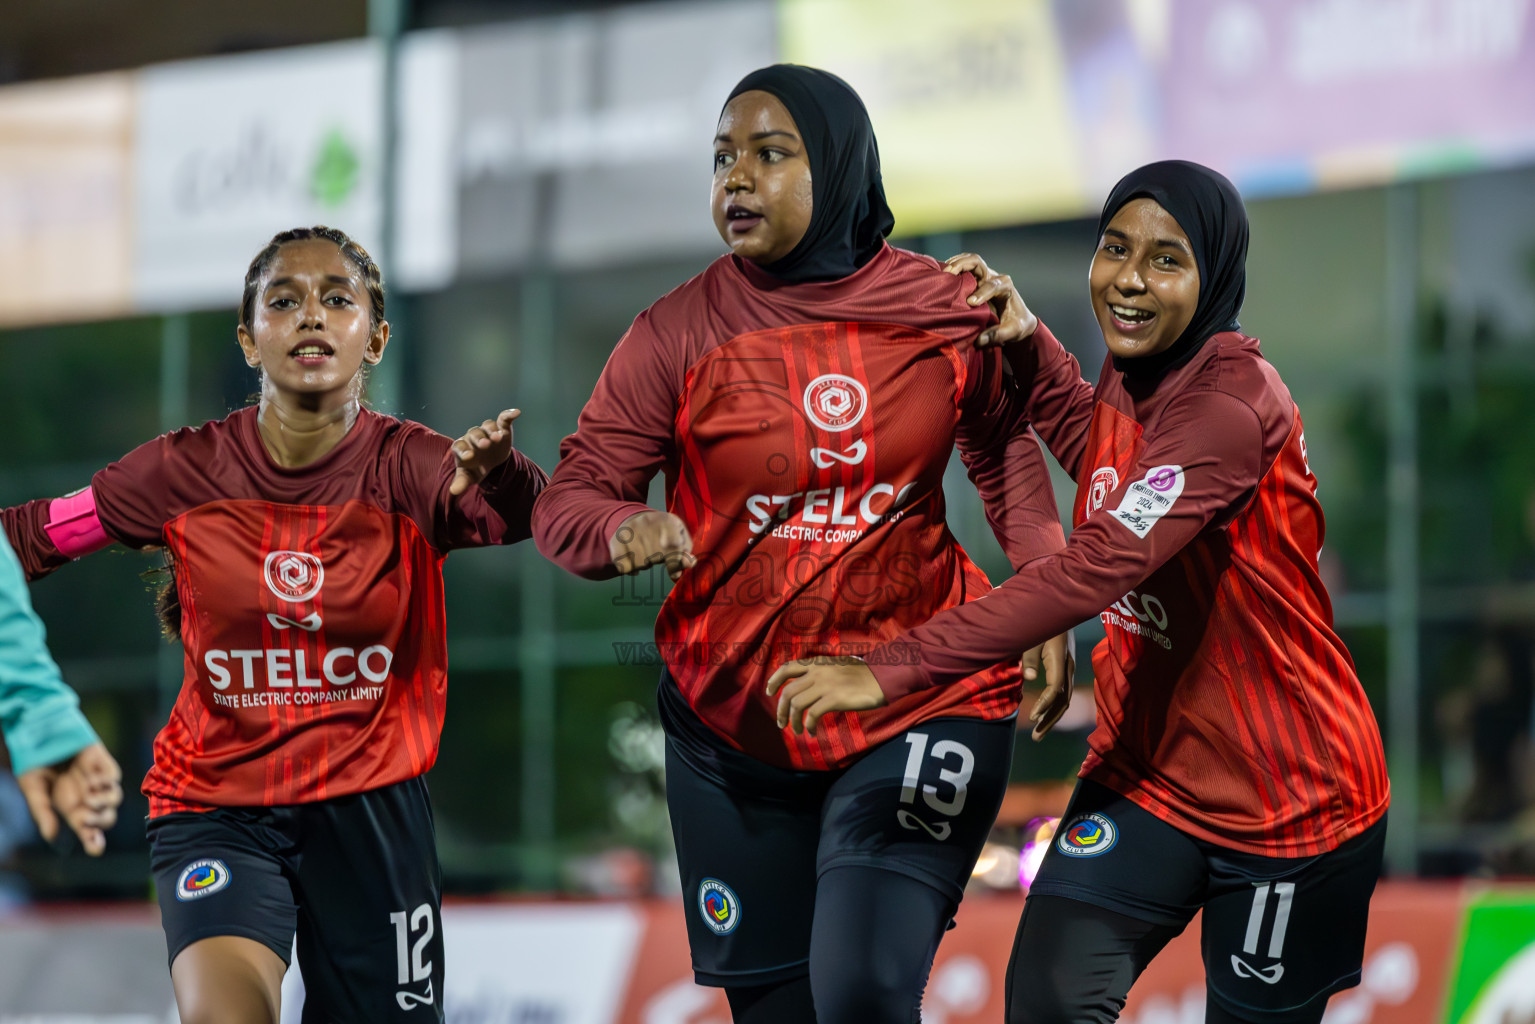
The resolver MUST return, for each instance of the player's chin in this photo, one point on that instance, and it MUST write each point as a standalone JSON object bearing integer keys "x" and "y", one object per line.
{"x": 1132, "y": 347}
{"x": 755, "y": 245}
{"x": 312, "y": 383}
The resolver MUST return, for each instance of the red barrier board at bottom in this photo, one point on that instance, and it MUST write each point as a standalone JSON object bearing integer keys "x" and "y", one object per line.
{"x": 1445, "y": 953}
{"x": 1414, "y": 934}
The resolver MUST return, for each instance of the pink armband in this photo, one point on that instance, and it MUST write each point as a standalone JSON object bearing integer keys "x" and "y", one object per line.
{"x": 73, "y": 525}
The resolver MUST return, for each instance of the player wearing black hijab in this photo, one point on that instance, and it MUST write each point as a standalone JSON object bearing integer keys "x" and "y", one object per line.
{"x": 1236, "y": 767}
{"x": 803, "y": 396}
{"x": 1240, "y": 771}
{"x": 850, "y": 219}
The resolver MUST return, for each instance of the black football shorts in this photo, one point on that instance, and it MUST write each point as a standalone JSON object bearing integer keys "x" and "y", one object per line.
{"x": 355, "y": 878}
{"x": 753, "y": 841}
{"x": 1278, "y": 933}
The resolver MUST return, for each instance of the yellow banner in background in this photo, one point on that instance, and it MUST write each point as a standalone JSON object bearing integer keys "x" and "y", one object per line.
{"x": 969, "y": 102}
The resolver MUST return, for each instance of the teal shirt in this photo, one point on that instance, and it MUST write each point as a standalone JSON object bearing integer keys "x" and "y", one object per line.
{"x": 39, "y": 715}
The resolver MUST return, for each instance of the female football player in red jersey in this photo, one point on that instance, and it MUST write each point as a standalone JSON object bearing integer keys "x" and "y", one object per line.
{"x": 802, "y": 396}
{"x": 1236, "y": 766}
{"x": 306, "y": 537}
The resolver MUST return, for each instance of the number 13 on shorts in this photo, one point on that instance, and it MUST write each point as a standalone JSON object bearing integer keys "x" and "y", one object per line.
{"x": 957, "y": 779}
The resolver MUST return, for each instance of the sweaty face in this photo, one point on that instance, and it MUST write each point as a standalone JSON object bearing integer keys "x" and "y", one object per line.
{"x": 1144, "y": 280}
{"x": 761, "y": 199}
{"x": 310, "y": 330}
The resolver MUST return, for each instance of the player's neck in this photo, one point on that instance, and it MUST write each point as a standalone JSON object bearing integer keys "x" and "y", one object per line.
{"x": 296, "y": 433}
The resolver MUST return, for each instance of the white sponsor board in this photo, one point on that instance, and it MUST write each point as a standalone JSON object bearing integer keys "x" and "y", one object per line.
{"x": 565, "y": 964}
{"x": 568, "y": 964}
{"x": 65, "y": 199}
{"x": 586, "y": 140}
{"x": 230, "y": 151}
{"x": 102, "y": 966}
{"x": 425, "y": 256}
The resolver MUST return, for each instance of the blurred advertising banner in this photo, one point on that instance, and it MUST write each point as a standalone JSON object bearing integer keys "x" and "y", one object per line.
{"x": 1495, "y": 983}
{"x": 1411, "y": 955}
{"x": 66, "y": 199}
{"x": 583, "y": 140}
{"x": 232, "y": 150}
{"x": 85, "y": 965}
{"x": 538, "y": 963}
{"x": 1295, "y": 95}
{"x": 586, "y": 140}
{"x": 425, "y": 187}
{"x": 1005, "y": 111}
{"x": 971, "y": 104}
{"x": 1436, "y": 953}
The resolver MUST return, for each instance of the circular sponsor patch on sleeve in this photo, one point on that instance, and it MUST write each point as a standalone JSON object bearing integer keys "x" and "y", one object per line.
{"x": 202, "y": 878}
{"x": 719, "y": 906}
{"x": 1088, "y": 835}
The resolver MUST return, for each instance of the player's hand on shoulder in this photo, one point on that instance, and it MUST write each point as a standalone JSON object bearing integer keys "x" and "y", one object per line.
{"x": 1057, "y": 658}
{"x": 84, "y": 790}
{"x": 810, "y": 688}
{"x": 481, "y": 450}
{"x": 651, "y": 538}
{"x": 1014, "y": 320}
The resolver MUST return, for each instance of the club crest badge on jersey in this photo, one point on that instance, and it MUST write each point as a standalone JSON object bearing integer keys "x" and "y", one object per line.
{"x": 293, "y": 575}
{"x": 1088, "y": 835}
{"x": 835, "y": 401}
{"x": 202, "y": 878}
{"x": 719, "y": 906}
{"x": 1102, "y": 483}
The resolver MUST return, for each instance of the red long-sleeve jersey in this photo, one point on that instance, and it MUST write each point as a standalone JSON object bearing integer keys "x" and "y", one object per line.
{"x": 311, "y": 599}
{"x": 803, "y": 430}
{"x": 1226, "y": 703}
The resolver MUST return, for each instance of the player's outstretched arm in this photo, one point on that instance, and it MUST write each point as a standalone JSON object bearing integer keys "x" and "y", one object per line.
{"x": 625, "y": 434}
{"x": 481, "y": 450}
{"x": 85, "y": 791}
{"x": 60, "y": 764}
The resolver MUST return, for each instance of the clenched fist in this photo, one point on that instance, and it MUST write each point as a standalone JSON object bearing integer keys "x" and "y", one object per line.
{"x": 650, "y": 538}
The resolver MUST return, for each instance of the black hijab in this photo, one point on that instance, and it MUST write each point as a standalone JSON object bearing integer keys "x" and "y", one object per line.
{"x": 1209, "y": 210}
{"x": 849, "y": 219}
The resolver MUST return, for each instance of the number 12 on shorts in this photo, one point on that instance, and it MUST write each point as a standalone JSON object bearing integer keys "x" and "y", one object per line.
{"x": 958, "y": 779}
{"x": 411, "y": 960}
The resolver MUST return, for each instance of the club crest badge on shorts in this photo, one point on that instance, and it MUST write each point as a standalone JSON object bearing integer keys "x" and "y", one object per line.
{"x": 719, "y": 906}
{"x": 1087, "y": 835}
{"x": 202, "y": 878}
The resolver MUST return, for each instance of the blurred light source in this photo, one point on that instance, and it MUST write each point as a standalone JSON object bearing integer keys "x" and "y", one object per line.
{"x": 1037, "y": 836}
{"x": 994, "y": 867}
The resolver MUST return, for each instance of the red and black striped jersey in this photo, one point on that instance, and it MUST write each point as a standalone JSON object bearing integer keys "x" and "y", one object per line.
{"x": 1227, "y": 705}
{"x": 803, "y": 430}
{"x": 311, "y": 599}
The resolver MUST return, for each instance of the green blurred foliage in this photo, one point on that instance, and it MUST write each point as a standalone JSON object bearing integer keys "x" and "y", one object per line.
{"x": 1476, "y": 467}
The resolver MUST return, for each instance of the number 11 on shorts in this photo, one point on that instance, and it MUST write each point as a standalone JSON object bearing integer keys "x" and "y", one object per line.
{"x": 1285, "y": 891}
